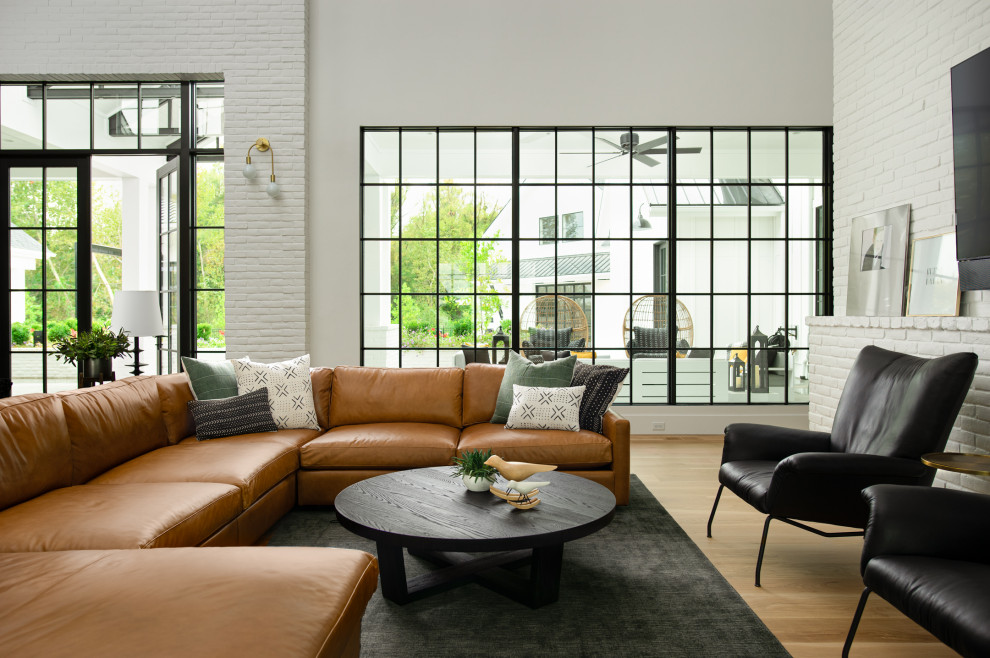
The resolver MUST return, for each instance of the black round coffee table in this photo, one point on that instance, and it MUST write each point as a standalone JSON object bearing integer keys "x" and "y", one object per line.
{"x": 433, "y": 516}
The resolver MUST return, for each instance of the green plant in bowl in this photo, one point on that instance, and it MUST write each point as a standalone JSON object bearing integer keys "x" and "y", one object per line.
{"x": 473, "y": 471}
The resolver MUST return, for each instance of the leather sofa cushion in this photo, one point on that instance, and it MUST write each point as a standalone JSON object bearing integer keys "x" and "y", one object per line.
{"x": 253, "y": 467}
{"x": 175, "y": 394}
{"x": 34, "y": 447}
{"x": 102, "y": 516}
{"x": 396, "y": 395}
{"x": 322, "y": 379}
{"x": 293, "y": 438}
{"x": 190, "y": 602}
{"x": 381, "y": 446}
{"x": 481, "y": 384}
{"x": 112, "y": 423}
{"x": 568, "y": 450}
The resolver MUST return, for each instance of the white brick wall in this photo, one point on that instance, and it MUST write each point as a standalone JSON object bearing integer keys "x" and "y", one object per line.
{"x": 893, "y": 145}
{"x": 893, "y": 114}
{"x": 260, "y": 50}
{"x": 835, "y": 342}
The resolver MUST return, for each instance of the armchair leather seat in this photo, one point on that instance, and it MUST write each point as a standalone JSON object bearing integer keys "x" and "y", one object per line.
{"x": 926, "y": 554}
{"x": 894, "y": 408}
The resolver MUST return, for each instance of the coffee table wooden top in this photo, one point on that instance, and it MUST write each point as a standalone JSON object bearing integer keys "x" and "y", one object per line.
{"x": 427, "y": 508}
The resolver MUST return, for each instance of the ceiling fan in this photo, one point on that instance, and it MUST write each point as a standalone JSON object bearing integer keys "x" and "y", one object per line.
{"x": 629, "y": 143}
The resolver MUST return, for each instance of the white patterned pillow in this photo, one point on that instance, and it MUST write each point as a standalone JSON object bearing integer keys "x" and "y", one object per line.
{"x": 535, "y": 408}
{"x": 290, "y": 390}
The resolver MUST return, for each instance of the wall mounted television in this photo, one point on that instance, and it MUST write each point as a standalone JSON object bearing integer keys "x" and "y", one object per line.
{"x": 971, "y": 167}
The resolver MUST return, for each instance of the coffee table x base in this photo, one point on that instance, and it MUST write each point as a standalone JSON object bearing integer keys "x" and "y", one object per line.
{"x": 471, "y": 537}
{"x": 540, "y": 588}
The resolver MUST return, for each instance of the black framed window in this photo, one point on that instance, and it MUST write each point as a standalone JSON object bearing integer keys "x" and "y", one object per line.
{"x": 122, "y": 133}
{"x": 671, "y": 251}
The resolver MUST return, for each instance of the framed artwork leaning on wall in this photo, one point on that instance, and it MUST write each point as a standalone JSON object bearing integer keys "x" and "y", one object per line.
{"x": 933, "y": 283}
{"x": 878, "y": 249}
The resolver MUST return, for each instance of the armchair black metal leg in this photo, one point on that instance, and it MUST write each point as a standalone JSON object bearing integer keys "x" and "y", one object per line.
{"x": 711, "y": 517}
{"x": 855, "y": 623}
{"x": 763, "y": 546}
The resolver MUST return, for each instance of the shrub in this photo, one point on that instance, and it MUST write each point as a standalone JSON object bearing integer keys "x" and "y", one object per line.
{"x": 203, "y": 331}
{"x": 463, "y": 327}
{"x": 73, "y": 324}
{"x": 58, "y": 331}
{"x": 20, "y": 333}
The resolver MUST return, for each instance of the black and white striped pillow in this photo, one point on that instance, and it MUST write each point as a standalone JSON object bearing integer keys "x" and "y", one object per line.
{"x": 241, "y": 414}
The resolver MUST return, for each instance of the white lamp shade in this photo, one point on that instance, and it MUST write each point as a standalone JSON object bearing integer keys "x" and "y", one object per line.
{"x": 250, "y": 171}
{"x": 137, "y": 313}
{"x": 273, "y": 189}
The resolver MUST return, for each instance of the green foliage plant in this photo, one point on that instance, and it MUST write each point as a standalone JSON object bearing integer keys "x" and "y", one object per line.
{"x": 203, "y": 331}
{"x": 58, "y": 331}
{"x": 100, "y": 343}
{"x": 20, "y": 333}
{"x": 472, "y": 464}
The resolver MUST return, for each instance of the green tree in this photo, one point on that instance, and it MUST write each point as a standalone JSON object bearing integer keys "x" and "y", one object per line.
{"x": 453, "y": 269}
{"x": 210, "y": 251}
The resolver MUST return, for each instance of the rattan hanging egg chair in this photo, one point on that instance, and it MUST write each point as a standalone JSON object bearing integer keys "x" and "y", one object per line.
{"x": 555, "y": 313}
{"x": 649, "y": 312}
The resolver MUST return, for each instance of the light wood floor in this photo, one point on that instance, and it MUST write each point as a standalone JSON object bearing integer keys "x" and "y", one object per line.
{"x": 811, "y": 584}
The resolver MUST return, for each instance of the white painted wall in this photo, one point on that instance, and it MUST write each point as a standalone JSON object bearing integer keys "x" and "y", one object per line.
{"x": 550, "y": 63}
{"x": 553, "y": 63}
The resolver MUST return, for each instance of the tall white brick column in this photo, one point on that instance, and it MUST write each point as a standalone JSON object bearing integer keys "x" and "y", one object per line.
{"x": 259, "y": 49}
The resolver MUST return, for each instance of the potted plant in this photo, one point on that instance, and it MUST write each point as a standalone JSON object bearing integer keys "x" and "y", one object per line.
{"x": 93, "y": 350}
{"x": 473, "y": 471}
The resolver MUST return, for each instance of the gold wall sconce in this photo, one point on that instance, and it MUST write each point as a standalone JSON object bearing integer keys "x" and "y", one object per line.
{"x": 250, "y": 171}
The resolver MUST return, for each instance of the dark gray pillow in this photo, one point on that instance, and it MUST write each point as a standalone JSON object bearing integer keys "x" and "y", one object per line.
{"x": 601, "y": 386}
{"x": 241, "y": 414}
{"x": 576, "y": 344}
{"x": 543, "y": 339}
{"x": 650, "y": 338}
{"x": 475, "y": 354}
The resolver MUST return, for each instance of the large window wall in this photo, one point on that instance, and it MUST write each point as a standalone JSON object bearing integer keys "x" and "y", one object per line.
{"x": 153, "y": 173}
{"x": 695, "y": 265}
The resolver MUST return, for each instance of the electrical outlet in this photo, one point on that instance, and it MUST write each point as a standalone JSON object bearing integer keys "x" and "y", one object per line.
{"x": 659, "y": 427}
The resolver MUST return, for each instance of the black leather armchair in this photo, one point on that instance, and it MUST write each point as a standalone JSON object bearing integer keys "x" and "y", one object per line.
{"x": 894, "y": 408}
{"x": 926, "y": 553}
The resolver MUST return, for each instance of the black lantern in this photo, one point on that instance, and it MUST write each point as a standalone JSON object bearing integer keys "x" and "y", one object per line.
{"x": 500, "y": 339}
{"x": 737, "y": 374}
{"x": 759, "y": 373}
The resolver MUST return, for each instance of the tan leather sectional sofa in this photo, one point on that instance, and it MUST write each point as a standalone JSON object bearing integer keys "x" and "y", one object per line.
{"x": 86, "y": 473}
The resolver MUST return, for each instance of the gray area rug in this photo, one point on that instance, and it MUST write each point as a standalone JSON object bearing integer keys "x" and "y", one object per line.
{"x": 639, "y": 587}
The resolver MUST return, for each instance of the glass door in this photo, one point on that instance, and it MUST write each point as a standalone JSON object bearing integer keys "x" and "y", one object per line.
{"x": 45, "y": 213}
{"x": 168, "y": 259}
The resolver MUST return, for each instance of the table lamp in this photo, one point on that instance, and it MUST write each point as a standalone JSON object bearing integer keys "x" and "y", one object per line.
{"x": 137, "y": 313}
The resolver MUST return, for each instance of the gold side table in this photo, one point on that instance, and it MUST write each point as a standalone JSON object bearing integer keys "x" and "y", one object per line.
{"x": 960, "y": 462}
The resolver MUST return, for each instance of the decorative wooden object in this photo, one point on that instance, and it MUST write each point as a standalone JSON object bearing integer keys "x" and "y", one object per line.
{"x": 517, "y": 471}
{"x": 525, "y": 489}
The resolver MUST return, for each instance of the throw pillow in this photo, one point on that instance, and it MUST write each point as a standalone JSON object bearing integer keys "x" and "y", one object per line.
{"x": 543, "y": 339}
{"x": 210, "y": 380}
{"x": 535, "y": 408}
{"x": 290, "y": 390}
{"x": 602, "y": 385}
{"x": 520, "y": 370}
{"x": 576, "y": 344}
{"x": 242, "y": 414}
{"x": 650, "y": 338}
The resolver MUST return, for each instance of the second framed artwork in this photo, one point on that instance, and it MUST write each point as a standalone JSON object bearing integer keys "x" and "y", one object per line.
{"x": 933, "y": 279}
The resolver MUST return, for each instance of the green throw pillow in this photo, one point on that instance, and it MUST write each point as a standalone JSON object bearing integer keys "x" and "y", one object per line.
{"x": 210, "y": 380}
{"x": 522, "y": 371}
